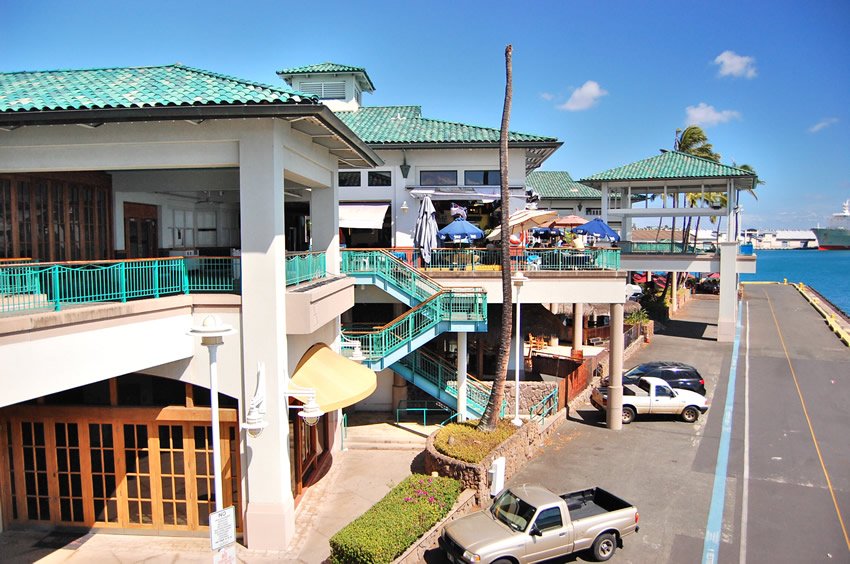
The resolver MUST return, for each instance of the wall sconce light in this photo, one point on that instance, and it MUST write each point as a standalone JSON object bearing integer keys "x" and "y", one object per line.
{"x": 405, "y": 168}
{"x": 255, "y": 419}
{"x": 310, "y": 411}
{"x": 578, "y": 207}
{"x": 404, "y": 207}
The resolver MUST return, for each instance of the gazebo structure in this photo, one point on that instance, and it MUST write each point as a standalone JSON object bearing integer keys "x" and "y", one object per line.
{"x": 688, "y": 187}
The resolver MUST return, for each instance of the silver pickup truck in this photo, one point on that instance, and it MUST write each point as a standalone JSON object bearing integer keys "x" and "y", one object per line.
{"x": 531, "y": 524}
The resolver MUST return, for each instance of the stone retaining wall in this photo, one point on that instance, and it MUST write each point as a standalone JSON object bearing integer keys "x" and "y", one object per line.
{"x": 518, "y": 449}
{"x": 464, "y": 505}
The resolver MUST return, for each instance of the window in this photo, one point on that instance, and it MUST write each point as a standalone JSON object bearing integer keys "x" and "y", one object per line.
{"x": 593, "y": 211}
{"x": 549, "y": 519}
{"x": 438, "y": 178}
{"x": 380, "y": 178}
{"x": 662, "y": 391}
{"x": 324, "y": 90}
{"x": 482, "y": 178}
{"x": 349, "y": 178}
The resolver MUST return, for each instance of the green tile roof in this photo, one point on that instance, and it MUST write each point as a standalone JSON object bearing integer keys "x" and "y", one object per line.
{"x": 671, "y": 165}
{"x": 329, "y": 68}
{"x": 135, "y": 87}
{"x": 558, "y": 185}
{"x": 405, "y": 124}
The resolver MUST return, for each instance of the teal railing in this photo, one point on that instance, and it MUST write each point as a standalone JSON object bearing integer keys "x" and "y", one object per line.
{"x": 665, "y": 248}
{"x": 39, "y": 286}
{"x": 344, "y": 432}
{"x": 423, "y": 407}
{"x": 546, "y": 407}
{"x": 392, "y": 269}
{"x": 544, "y": 258}
{"x": 305, "y": 267}
{"x": 444, "y": 376}
{"x": 446, "y": 306}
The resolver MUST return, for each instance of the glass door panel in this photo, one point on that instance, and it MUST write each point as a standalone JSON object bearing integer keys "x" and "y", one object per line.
{"x": 138, "y": 476}
{"x": 104, "y": 485}
{"x": 69, "y": 473}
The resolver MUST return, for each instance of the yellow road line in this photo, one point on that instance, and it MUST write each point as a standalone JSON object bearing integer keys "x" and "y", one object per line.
{"x": 809, "y": 422}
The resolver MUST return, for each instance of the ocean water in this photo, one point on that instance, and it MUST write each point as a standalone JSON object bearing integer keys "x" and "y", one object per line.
{"x": 828, "y": 272}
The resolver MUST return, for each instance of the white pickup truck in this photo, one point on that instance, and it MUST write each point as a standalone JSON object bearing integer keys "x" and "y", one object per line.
{"x": 653, "y": 395}
{"x": 529, "y": 524}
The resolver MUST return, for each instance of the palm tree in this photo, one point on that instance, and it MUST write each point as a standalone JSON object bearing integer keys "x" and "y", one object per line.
{"x": 497, "y": 393}
{"x": 694, "y": 141}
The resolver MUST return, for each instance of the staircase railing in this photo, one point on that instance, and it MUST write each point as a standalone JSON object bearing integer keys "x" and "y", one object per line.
{"x": 444, "y": 376}
{"x": 381, "y": 263}
{"x": 467, "y": 304}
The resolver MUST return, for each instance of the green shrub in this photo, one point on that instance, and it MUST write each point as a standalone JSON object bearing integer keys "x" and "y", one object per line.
{"x": 390, "y": 526}
{"x": 463, "y": 441}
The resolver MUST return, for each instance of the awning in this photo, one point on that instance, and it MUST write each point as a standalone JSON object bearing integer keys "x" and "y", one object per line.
{"x": 362, "y": 216}
{"x": 338, "y": 382}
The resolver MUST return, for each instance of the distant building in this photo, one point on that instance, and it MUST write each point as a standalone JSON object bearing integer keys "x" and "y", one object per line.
{"x": 786, "y": 239}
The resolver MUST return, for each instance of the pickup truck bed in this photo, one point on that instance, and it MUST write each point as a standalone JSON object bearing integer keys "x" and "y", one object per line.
{"x": 594, "y": 501}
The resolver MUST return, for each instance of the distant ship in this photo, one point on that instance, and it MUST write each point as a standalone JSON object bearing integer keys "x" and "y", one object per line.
{"x": 837, "y": 235}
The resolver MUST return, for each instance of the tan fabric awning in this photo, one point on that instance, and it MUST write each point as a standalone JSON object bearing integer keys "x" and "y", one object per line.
{"x": 362, "y": 216}
{"x": 338, "y": 382}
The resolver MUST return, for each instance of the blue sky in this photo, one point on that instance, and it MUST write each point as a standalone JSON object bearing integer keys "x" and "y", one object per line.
{"x": 769, "y": 82}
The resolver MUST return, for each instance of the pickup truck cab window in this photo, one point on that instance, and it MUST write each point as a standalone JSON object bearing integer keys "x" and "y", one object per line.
{"x": 512, "y": 511}
{"x": 549, "y": 519}
{"x": 663, "y": 391}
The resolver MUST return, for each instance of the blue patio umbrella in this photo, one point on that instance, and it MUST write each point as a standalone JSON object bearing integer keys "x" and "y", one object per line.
{"x": 597, "y": 228}
{"x": 460, "y": 231}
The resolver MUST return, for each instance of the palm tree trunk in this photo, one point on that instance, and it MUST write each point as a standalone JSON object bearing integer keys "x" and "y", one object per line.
{"x": 497, "y": 393}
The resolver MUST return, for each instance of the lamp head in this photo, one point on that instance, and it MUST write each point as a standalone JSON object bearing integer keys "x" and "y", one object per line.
{"x": 311, "y": 413}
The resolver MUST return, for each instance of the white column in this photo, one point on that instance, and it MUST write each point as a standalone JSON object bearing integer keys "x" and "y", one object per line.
{"x": 626, "y": 203}
{"x": 462, "y": 359}
{"x": 269, "y": 517}
{"x": 578, "y": 327}
{"x": 675, "y": 302}
{"x": 727, "y": 315}
{"x": 324, "y": 221}
{"x": 615, "y": 379}
{"x": 605, "y": 195}
{"x": 731, "y": 204}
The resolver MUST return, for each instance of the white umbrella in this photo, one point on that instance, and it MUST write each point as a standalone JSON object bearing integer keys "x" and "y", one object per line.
{"x": 521, "y": 220}
{"x": 425, "y": 232}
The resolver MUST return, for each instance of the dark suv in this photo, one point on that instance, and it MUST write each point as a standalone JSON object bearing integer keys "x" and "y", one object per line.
{"x": 677, "y": 374}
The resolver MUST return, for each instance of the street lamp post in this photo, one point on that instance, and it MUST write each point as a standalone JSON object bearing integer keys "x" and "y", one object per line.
{"x": 518, "y": 280}
{"x": 211, "y": 332}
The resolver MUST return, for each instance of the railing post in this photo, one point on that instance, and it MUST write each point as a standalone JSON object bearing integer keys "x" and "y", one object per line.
{"x": 122, "y": 280}
{"x": 156, "y": 278}
{"x": 54, "y": 276}
{"x": 184, "y": 271}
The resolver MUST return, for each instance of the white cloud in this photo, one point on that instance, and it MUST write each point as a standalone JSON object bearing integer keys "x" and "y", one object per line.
{"x": 703, "y": 114}
{"x": 548, "y": 96}
{"x": 733, "y": 64}
{"x": 584, "y": 97}
{"x": 823, "y": 124}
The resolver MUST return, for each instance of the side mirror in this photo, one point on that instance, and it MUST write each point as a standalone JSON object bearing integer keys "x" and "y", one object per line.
{"x": 535, "y": 532}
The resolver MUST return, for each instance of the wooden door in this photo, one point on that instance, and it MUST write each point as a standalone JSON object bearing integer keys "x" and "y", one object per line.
{"x": 140, "y": 230}
{"x": 125, "y": 470}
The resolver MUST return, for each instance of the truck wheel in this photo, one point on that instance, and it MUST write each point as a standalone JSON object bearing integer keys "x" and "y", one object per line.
{"x": 604, "y": 546}
{"x": 628, "y": 416}
{"x": 690, "y": 414}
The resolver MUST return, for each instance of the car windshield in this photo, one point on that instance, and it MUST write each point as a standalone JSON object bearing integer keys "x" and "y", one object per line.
{"x": 635, "y": 372}
{"x": 512, "y": 511}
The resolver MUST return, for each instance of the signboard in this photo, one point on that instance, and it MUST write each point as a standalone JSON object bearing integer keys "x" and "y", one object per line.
{"x": 223, "y": 527}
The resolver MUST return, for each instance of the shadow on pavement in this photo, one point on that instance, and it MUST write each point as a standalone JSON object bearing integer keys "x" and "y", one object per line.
{"x": 686, "y": 329}
{"x": 587, "y": 416}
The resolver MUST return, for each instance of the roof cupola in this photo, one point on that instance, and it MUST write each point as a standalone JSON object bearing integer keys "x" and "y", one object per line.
{"x": 338, "y": 86}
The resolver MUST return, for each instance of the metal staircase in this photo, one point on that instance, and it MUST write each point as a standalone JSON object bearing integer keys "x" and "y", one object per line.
{"x": 438, "y": 378}
{"x": 435, "y": 310}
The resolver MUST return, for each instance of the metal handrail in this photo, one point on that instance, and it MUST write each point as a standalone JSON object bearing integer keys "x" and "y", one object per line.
{"x": 556, "y": 259}
{"x": 305, "y": 267}
{"x": 545, "y": 407}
